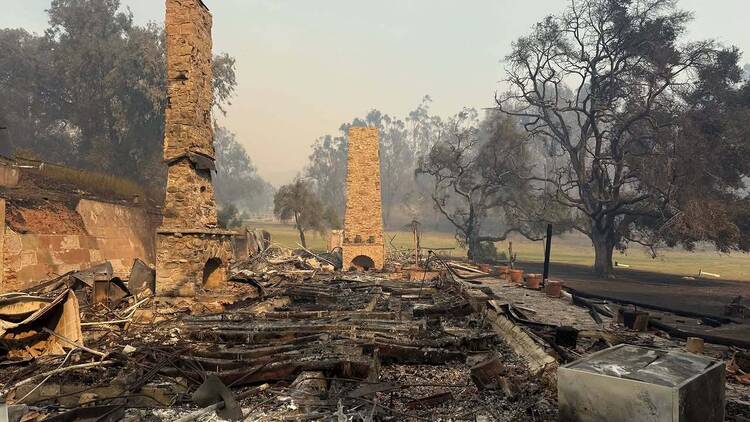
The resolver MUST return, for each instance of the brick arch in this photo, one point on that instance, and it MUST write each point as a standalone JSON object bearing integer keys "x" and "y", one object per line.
{"x": 362, "y": 263}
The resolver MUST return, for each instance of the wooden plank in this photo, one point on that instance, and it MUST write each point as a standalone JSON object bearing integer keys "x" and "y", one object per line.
{"x": 377, "y": 292}
{"x": 430, "y": 401}
{"x": 357, "y": 315}
{"x": 278, "y": 371}
{"x": 368, "y": 389}
{"x": 466, "y": 268}
{"x": 390, "y": 352}
{"x": 535, "y": 356}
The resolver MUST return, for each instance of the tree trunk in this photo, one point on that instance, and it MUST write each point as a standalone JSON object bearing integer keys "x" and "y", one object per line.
{"x": 603, "y": 248}
{"x": 301, "y": 231}
{"x": 472, "y": 242}
{"x": 472, "y": 236}
{"x": 302, "y": 237}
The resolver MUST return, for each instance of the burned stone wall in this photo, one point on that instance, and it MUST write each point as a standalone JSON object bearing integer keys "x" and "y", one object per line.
{"x": 363, "y": 219}
{"x": 192, "y": 262}
{"x": 2, "y": 242}
{"x": 189, "y": 202}
{"x": 190, "y": 75}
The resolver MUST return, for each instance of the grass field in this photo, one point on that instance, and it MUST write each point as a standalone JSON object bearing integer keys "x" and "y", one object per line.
{"x": 569, "y": 249}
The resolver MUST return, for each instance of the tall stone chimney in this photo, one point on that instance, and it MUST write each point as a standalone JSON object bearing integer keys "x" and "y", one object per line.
{"x": 192, "y": 253}
{"x": 364, "y": 246}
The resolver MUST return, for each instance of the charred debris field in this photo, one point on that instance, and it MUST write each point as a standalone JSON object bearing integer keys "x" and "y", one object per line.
{"x": 287, "y": 338}
{"x": 152, "y": 300}
{"x": 282, "y": 341}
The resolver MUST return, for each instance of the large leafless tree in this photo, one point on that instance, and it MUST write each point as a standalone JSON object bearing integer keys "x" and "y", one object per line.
{"x": 598, "y": 82}
{"x": 479, "y": 169}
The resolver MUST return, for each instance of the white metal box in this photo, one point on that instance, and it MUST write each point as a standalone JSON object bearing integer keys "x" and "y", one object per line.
{"x": 638, "y": 384}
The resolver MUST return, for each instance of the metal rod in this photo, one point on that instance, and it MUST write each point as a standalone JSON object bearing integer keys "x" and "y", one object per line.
{"x": 547, "y": 250}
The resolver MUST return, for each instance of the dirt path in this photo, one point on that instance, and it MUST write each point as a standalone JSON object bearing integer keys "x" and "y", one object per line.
{"x": 699, "y": 295}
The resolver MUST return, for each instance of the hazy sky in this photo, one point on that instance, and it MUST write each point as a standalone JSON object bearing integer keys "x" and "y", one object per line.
{"x": 306, "y": 66}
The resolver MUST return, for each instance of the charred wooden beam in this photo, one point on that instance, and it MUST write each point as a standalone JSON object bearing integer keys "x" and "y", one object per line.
{"x": 389, "y": 352}
{"x": 430, "y": 401}
{"x": 453, "y": 309}
{"x": 279, "y": 371}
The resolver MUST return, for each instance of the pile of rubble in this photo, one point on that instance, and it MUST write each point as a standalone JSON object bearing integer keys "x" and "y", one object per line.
{"x": 299, "y": 342}
{"x": 550, "y": 327}
{"x": 292, "y": 338}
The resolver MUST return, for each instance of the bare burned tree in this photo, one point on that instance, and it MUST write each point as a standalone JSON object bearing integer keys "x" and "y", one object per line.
{"x": 598, "y": 82}
{"x": 476, "y": 169}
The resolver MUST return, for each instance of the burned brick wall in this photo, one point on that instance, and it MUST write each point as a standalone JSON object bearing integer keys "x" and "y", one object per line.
{"x": 192, "y": 255}
{"x": 363, "y": 219}
{"x": 51, "y": 240}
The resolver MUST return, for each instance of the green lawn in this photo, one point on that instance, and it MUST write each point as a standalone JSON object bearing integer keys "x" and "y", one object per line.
{"x": 570, "y": 249}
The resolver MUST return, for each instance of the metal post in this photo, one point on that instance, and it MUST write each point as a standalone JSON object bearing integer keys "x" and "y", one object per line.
{"x": 547, "y": 248}
{"x": 510, "y": 253}
{"x": 416, "y": 245}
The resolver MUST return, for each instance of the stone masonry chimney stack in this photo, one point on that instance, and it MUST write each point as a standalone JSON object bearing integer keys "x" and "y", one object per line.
{"x": 188, "y": 131}
{"x": 364, "y": 246}
{"x": 192, "y": 253}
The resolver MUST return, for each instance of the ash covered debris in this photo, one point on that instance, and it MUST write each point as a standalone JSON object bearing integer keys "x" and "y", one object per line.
{"x": 293, "y": 346}
{"x": 287, "y": 339}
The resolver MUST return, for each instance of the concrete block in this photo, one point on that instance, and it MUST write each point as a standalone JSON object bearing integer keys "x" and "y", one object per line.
{"x": 70, "y": 242}
{"x": 27, "y": 258}
{"x": 13, "y": 244}
{"x": 32, "y": 272}
{"x": 32, "y": 242}
{"x": 335, "y": 240}
{"x": 72, "y": 256}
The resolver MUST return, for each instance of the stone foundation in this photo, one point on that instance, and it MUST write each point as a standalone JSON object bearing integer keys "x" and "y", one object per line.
{"x": 188, "y": 264}
{"x": 363, "y": 219}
